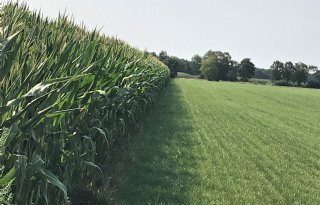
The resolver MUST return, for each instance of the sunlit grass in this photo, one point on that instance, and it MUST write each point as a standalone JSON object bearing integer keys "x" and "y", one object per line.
{"x": 226, "y": 143}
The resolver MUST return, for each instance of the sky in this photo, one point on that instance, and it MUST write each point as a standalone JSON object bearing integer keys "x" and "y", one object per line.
{"x": 263, "y": 30}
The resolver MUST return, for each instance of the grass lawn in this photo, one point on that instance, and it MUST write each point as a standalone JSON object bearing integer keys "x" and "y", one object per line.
{"x": 225, "y": 143}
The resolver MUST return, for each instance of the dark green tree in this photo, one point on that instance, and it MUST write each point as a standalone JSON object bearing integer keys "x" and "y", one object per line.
{"x": 276, "y": 68}
{"x": 287, "y": 71}
{"x": 300, "y": 74}
{"x": 163, "y": 56}
{"x": 312, "y": 68}
{"x": 170, "y": 62}
{"x": 195, "y": 64}
{"x": 246, "y": 69}
{"x": 262, "y": 73}
{"x": 233, "y": 71}
{"x": 317, "y": 75}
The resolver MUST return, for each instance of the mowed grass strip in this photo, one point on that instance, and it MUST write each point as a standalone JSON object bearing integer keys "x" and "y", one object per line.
{"x": 226, "y": 143}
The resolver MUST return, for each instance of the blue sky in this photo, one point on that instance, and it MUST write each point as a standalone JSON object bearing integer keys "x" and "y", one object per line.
{"x": 264, "y": 30}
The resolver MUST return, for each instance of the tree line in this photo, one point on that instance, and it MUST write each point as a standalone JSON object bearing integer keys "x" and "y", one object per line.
{"x": 217, "y": 65}
{"x": 214, "y": 65}
{"x": 295, "y": 74}
{"x": 176, "y": 64}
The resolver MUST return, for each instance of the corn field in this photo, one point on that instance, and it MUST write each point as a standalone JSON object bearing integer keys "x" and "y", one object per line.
{"x": 67, "y": 95}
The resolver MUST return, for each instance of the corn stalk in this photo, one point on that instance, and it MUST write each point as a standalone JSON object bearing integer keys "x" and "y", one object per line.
{"x": 66, "y": 96}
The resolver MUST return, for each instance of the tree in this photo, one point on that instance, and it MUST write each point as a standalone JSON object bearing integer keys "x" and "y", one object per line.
{"x": 300, "y": 74}
{"x": 195, "y": 64}
{"x": 276, "y": 68}
{"x": 246, "y": 69}
{"x": 184, "y": 66}
{"x": 287, "y": 71}
{"x": 209, "y": 67}
{"x": 317, "y": 75}
{"x": 262, "y": 73}
{"x": 176, "y": 64}
{"x": 216, "y": 65}
{"x": 170, "y": 62}
{"x": 233, "y": 71}
{"x": 163, "y": 56}
{"x": 312, "y": 68}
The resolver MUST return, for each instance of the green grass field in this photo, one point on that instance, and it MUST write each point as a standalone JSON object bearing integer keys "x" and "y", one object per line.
{"x": 225, "y": 143}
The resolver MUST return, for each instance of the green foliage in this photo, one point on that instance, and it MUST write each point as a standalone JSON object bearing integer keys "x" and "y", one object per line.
{"x": 195, "y": 65}
{"x": 176, "y": 64}
{"x": 217, "y": 66}
{"x": 6, "y": 179}
{"x": 289, "y": 73}
{"x": 300, "y": 74}
{"x": 317, "y": 75}
{"x": 5, "y": 194}
{"x": 262, "y": 73}
{"x": 276, "y": 68}
{"x": 209, "y": 67}
{"x": 172, "y": 63}
{"x": 67, "y": 95}
{"x": 246, "y": 69}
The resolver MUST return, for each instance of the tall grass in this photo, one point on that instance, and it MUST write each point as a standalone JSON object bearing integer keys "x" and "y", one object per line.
{"x": 66, "y": 96}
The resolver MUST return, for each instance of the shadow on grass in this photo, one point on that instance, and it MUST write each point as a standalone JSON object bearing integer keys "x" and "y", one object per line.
{"x": 157, "y": 166}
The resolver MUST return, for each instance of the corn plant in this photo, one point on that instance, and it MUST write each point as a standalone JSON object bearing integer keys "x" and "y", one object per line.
{"x": 66, "y": 96}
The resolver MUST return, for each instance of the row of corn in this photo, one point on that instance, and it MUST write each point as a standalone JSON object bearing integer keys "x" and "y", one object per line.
{"x": 67, "y": 95}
